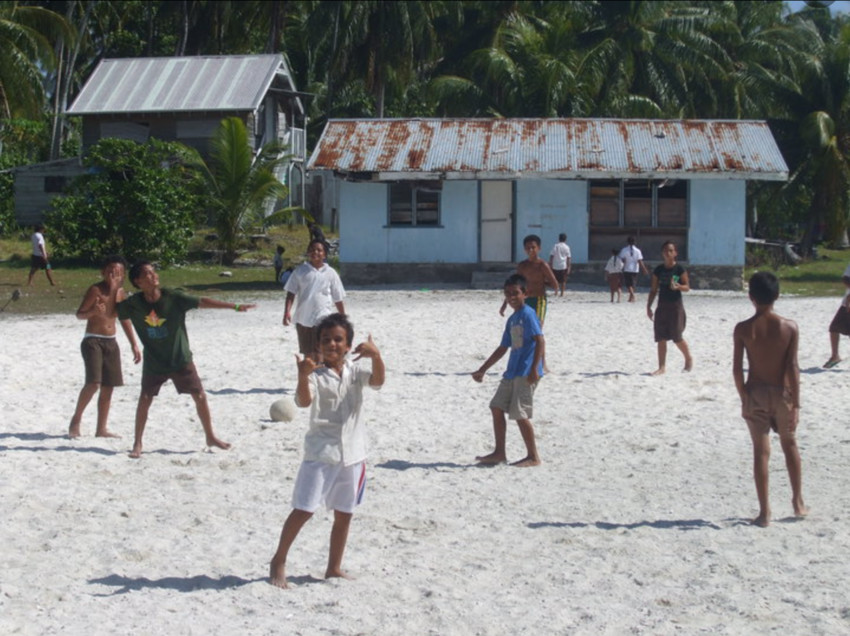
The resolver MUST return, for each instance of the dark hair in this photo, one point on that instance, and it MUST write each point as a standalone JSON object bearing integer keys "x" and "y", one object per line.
{"x": 562, "y": 237}
{"x": 113, "y": 258}
{"x": 336, "y": 320}
{"x": 630, "y": 240}
{"x": 666, "y": 243}
{"x": 136, "y": 271}
{"x": 318, "y": 241}
{"x": 764, "y": 288}
{"x": 531, "y": 238}
{"x": 516, "y": 279}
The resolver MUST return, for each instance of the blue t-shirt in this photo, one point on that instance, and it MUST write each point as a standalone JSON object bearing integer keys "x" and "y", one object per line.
{"x": 520, "y": 331}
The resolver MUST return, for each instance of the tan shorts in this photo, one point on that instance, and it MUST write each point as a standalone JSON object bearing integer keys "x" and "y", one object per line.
{"x": 102, "y": 360}
{"x": 186, "y": 380}
{"x": 768, "y": 407}
{"x": 515, "y": 397}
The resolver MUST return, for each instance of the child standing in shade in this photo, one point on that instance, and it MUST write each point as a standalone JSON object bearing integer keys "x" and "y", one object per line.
{"x": 523, "y": 337}
{"x": 333, "y": 472}
{"x": 669, "y": 280}
{"x": 770, "y": 397}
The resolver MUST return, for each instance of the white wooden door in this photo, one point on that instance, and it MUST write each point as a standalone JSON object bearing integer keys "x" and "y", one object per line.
{"x": 497, "y": 202}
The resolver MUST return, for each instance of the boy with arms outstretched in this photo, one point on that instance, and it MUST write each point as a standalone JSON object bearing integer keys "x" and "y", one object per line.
{"x": 333, "y": 471}
{"x": 99, "y": 347}
{"x": 770, "y": 397}
{"x": 523, "y": 337}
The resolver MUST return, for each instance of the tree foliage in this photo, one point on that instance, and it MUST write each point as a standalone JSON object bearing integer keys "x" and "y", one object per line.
{"x": 139, "y": 200}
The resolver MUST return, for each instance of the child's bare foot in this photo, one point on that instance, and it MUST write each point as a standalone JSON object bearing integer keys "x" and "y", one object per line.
{"x": 762, "y": 521}
{"x": 137, "y": 451}
{"x": 526, "y": 462}
{"x": 491, "y": 459}
{"x": 214, "y": 441}
{"x": 658, "y": 371}
{"x": 338, "y": 574}
{"x": 689, "y": 364}
{"x": 277, "y": 574}
{"x": 800, "y": 509}
{"x": 106, "y": 433}
{"x": 74, "y": 429}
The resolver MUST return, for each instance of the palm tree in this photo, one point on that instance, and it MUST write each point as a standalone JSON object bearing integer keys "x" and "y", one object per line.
{"x": 242, "y": 186}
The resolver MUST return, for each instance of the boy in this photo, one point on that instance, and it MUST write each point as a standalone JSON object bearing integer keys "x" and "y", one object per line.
{"x": 537, "y": 275}
{"x": 560, "y": 260}
{"x": 633, "y": 263}
{"x": 39, "y": 259}
{"x": 669, "y": 280}
{"x": 770, "y": 397}
{"x": 333, "y": 471}
{"x": 524, "y": 338}
{"x": 159, "y": 315}
{"x": 101, "y": 355}
{"x": 840, "y": 323}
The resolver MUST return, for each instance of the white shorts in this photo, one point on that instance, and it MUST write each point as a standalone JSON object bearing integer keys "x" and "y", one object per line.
{"x": 338, "y": 487}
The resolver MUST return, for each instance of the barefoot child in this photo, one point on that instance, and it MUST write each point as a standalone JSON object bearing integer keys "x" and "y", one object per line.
{"x": 840, "y": 324}
{"x": 333, "y": 471}
{"x": 523, "y": 337}
{"x": 669, "y": 280}
{"x": 614, "y": 274}
{"x": 101, "y": 355}
{"x": 538, "y": 275}
{"x": 770, "y": 397}
{"x": 159, "y": 317}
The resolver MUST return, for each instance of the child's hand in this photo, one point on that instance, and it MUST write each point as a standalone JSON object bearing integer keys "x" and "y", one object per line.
{"x": 478, "y": 376}
{"x": 366, "y": 349}
{"x": 306, "y": 365}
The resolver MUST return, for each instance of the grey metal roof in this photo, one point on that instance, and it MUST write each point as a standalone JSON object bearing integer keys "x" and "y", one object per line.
{"x": 388, "y": 149}
{"x": 175, "y": 84}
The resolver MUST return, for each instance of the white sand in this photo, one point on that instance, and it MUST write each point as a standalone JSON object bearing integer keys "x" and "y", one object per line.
{"x": 635, "y": 523}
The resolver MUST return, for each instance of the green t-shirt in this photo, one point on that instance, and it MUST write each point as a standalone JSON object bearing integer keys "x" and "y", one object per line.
{"x": 162, "y": 329}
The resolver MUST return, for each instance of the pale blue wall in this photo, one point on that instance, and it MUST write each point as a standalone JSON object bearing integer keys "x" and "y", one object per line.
{"x": 717, "y": 222}
{"x": 549, "y": 207}
{"x": 365, "y": 237}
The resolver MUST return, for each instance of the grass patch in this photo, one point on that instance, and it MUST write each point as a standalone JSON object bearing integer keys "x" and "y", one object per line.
{"x": 818, "y": 277}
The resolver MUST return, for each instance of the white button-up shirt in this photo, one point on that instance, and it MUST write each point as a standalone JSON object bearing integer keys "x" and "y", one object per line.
{"x": 316, "y": 292}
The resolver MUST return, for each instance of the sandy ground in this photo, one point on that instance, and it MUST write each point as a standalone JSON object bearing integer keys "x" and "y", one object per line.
{"x": 637, "y": 521}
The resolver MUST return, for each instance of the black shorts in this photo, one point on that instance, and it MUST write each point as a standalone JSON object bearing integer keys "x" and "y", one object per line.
{"x": 629, "y": 279}
{"x": 841, "y": 322}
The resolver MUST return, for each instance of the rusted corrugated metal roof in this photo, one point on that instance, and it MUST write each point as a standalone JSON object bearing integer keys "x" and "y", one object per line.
{"x": 175, "y": 84}
{"x": 388, "y": 149}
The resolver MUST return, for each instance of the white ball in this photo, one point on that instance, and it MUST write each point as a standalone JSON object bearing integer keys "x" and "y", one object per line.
{"x": 283, "y": 410}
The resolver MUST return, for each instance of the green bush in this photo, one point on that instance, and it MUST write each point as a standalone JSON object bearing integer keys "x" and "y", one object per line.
{"x": 139, "y": 200}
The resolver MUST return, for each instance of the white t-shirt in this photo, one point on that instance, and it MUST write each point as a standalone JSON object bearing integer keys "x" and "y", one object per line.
{"x": 316, "y": 291}
{"x": 631, "y": 256}
{"x": 614, "y": 265}
{"x": 337, "y": 432}
{"x": 559, "y": 255}
{"x": 37, "y": 244}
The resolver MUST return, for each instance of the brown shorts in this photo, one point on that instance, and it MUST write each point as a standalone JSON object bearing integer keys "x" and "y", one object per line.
{"x": 186, "y": 380}
{"x": 560, "y": 276}
{"x": 38, "y": 262}
{"x": 669, "y": 322}
{"x": 768, "y": 407}
{"x": 308, "y": 343}
{"x": 615, "y": 281}
{"x": 102, "y": 359}
{"x": 841, "y": 322}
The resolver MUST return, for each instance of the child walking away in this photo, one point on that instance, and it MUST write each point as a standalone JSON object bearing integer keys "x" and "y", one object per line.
{"x": 840, "y": 324}
{"x": 333, "y": 471}
{"x": 669, "y": 280}
{"x": 614, "y": 274}
{"x": 523, "y": 337}
{"x": 770, "y": 397}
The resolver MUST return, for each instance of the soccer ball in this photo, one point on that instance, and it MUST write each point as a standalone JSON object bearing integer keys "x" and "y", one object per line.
{"x": 283, "y": 410}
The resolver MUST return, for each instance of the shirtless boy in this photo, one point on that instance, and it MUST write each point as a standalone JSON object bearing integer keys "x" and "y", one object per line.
{"x": 99, "y": 348}
{"x": 770, "y": 397}
{"x": 538, "y": 275}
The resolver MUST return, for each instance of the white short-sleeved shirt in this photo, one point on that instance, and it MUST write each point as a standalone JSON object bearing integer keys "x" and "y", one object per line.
{"x": 559, "y": 254}
{"x": 614, "y": 265}
{"x": 316, "y": 291}
{"x": 337, "y": 432}
{"x": 631, "y": 256}
{"x": 37, "y": 244}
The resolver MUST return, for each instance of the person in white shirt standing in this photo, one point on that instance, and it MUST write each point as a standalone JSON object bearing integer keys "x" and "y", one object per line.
{"x": 39, "y": 258}
{"x": 561, "y": 262}
{"x": 318, "y": 289}
{"x": 632, "y": 259}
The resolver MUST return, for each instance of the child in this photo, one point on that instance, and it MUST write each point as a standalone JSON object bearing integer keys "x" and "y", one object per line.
{"x": 560, "y": 260}
{"x": 614, "y": 274}
{"x": 278, "y": 262}
{"x": 538, "y": 275}
{"x": 770, "y": 397}
{"x": 39, "y": 259}
{"x": 524, "y": 338}
{"x": 318, "y": 289}
{"x": 159, "y": 317}
{"x": 669, "y": 280}
{"x": 101, "y": 355}
{"x": 333, "y": 471}
{"x": 840, "y": 323}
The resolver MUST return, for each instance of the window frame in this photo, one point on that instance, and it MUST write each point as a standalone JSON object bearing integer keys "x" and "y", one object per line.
{"x": 418, "y": 209}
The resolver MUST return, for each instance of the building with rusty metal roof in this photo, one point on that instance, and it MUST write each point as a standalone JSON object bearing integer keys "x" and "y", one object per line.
{"x": 444, "y": 199}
